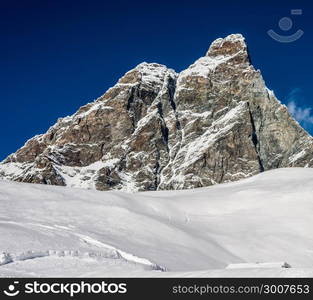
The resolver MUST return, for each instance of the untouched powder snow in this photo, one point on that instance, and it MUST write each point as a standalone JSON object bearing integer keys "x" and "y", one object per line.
{"x": 246, "y": 228}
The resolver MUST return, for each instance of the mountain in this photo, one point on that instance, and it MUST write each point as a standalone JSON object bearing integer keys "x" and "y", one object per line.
{"x": 252, "y": 226}
{"x": 155, "y": 129}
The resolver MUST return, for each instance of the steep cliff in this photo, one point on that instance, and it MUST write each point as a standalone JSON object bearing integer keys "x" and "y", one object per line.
{"x": 155, "y": 129}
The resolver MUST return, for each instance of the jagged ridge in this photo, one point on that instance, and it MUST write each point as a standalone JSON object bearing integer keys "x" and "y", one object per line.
{"x": 155, "y": 129}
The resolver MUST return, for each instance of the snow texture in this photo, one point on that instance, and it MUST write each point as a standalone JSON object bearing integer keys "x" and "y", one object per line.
{"x": 254, "y": 227}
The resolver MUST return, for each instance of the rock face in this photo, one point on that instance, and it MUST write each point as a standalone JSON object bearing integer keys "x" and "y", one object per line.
{"x": 155, "y": 129}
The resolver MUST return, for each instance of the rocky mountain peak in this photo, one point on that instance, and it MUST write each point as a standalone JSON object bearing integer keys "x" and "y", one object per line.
{"x": 151, "y": 74}
{"x": 233, "y": 45}
{"x": 155, "y": 129}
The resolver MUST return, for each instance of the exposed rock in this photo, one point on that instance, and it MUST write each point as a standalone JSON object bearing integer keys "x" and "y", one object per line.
{"x": 214, "y": 122}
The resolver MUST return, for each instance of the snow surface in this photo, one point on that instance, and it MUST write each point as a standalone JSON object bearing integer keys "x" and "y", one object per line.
{"x": 296, "y": 156}
{"x": 83, "y": 177}
{"x": 247, "y": 228}
{"x": 205, "y": 65}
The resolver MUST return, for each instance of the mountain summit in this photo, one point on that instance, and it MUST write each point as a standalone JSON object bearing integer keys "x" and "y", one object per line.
{"x": 155, "y": 129}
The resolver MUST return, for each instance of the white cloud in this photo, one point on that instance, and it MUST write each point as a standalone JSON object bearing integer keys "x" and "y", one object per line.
{"x": 302, "y": 114}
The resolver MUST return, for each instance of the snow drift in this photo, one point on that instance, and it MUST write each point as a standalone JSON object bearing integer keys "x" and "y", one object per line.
{"x": 260, "y": 220}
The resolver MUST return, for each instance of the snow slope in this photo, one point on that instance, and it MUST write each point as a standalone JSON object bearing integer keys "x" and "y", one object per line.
{"x": 57, "y": 231}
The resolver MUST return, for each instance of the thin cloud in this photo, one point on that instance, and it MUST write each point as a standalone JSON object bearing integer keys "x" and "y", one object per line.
{"x": 299, "y": 113}
{"x": 302, "y": 114}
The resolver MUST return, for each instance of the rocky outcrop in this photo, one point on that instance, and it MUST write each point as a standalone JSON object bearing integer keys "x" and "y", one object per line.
{"x": 155, "y": 129}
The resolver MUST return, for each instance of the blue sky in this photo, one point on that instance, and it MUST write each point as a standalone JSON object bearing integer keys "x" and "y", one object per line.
{"x": 58, "y": 55}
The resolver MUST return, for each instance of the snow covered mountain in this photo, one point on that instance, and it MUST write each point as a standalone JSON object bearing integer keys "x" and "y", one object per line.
{"x": 155, "y": 129}
{"x": 245, "y": 228}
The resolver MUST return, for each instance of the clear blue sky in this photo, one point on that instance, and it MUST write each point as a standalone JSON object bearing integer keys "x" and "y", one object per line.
{"x": 58, "y": 55}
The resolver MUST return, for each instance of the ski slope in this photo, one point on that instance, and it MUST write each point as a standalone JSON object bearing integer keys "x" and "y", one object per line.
{"x": 248, "y": 226}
